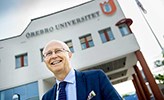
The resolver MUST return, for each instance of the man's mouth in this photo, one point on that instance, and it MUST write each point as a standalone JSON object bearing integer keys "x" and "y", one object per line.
{"x": 56, "y": 62}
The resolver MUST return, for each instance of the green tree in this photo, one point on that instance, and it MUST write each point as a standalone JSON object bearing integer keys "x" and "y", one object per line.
{"x": 160, "y": 78}
{"x": 125, "y": 95}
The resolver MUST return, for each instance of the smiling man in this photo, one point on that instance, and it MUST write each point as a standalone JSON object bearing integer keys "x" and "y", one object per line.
{"x": 56, "y": 56}
{"x": 72, "y": 84}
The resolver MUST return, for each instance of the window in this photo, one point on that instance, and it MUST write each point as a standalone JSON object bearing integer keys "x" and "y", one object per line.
{"x": 23, "y": 92}
{"x": 106, "y": 35}
{"x": 41, "y": 53}
{"x": 86, "y": 41}
{"x": 21, "y": 60}
{"x": 70, "y": 45}
{"x": 124, "y": 29}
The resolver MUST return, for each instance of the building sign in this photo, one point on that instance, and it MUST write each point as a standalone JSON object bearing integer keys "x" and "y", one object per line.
{"x": 108, "y": 8}
{"x": 40, "y": 32}
{"x": 63, "y": 25}
{"x": 77, "y": 20}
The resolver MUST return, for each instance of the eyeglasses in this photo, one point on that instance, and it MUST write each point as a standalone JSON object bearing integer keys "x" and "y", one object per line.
{"x": 56, "y": 51}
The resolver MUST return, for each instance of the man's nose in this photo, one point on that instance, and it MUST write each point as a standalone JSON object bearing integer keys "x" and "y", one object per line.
{"x": 54, "y": 54}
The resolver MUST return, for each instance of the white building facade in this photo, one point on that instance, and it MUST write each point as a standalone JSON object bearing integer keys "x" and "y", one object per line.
{"x": 97, "y": 33}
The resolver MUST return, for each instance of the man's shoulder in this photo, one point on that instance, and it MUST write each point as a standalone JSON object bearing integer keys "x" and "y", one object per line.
{"x": 49, "y": 93}
{"x": 93, "y": 73}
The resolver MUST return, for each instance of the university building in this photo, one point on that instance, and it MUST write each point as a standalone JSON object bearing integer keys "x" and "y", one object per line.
{"x": 99, "y": 36}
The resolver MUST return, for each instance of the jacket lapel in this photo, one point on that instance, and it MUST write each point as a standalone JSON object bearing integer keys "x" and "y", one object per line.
{"x": 55, "y": 89}
{"x": 80, "y": 86}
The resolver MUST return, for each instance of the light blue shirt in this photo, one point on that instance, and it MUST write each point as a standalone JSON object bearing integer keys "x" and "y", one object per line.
{"x": 70, "y": 87}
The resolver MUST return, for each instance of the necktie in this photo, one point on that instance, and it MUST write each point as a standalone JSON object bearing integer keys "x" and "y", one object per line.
{"x": 62, "y": 92}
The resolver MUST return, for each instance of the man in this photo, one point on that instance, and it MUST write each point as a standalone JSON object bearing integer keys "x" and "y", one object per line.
{"x": 86, "y": 85}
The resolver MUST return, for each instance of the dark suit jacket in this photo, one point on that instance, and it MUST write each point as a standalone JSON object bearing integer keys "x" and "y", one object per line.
{"x": 87, "y": 81}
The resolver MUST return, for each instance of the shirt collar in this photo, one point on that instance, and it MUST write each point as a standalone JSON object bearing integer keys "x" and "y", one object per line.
{"x": 70, "y": 78}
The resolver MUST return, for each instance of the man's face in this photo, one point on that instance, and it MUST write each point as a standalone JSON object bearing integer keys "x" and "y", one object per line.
{"x": 57, "y": 58}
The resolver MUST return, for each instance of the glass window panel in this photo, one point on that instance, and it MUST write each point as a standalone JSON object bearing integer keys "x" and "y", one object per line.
{"x": 124, "y": 30}
{"x": 110, "y": 34}
{"x": 7, "y": 94}
{"x": 91, "y": 44}
{"x": 89, "y": 38}
{"x": 83, "y": 45}
{"x": 70, "y": 45}
{"x": 2, "y": 95}
{"x": 82, "y": 40}
{"x": 71, "y": 48}
{"x": 21, "y": 90}
{"x": 25, "y": 60}
{"x": 32, "y": 90}
{"x": 18, "y": 63}
{"x": 103, "y": 38}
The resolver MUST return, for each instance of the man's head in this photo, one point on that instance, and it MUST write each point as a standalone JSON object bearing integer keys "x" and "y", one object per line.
{"x": 57, "y": 57}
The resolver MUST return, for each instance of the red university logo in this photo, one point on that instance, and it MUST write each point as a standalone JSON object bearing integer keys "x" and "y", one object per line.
{"x": 108, "y": 8}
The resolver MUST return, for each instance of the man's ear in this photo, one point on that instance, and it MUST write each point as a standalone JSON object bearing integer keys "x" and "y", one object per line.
{"x": 70, "y": 54}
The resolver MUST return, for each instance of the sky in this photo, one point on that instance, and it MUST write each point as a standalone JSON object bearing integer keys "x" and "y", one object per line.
{"x": 15, "y": 15}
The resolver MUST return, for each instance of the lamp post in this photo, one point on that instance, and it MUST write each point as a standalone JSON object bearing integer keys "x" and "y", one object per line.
{"x": 142, "y": 9}
{"x": 154, "y": 87}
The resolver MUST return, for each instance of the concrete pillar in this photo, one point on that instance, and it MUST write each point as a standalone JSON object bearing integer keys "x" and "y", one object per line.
{"x": 153, "y": 85}
{"x": 142, "y": 82}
